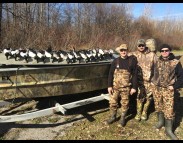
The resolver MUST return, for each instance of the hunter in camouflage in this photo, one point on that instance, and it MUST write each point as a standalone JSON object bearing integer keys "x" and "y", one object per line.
{"x": 151, "y": 44}
{"x": 146, "y": 60}
{"x": 122, "y": 82}
{"x": 168, "y": 76}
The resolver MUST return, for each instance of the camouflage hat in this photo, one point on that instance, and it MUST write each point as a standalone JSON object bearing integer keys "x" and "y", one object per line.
{"x": 151, "y": 44}
{"x": 141, "y": 41}
{"x": 122, "y": 46}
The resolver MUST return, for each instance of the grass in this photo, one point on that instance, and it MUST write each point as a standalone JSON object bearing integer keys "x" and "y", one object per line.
{"x": 53, "y": 120}
{"x": 97, "y": 130}
{"x": 180, "y": 52}
{"x": 134, "y": 130}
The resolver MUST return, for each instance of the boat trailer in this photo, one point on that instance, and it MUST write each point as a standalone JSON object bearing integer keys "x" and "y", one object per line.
{"x": 49, "y": 111}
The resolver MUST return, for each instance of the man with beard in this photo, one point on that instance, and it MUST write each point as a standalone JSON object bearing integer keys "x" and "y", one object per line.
{"x": 146, "y": 60}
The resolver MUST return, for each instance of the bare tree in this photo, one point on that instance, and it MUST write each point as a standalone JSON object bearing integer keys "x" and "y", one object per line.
{"x": 1, "y": 5}
{"x": 84, "y": 25}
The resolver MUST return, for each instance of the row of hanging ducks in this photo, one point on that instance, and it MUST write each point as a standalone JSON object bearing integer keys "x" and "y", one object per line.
{"x": 71, "y": 56}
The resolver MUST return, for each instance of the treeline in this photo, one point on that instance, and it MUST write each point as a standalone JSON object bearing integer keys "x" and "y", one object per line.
{"x": 81, "y": 25}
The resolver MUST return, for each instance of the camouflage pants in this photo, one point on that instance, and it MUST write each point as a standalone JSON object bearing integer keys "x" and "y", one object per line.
{"x": 121, "y": 94}
{"x": 164, "y": 101}
{"x": 148, "y": 90}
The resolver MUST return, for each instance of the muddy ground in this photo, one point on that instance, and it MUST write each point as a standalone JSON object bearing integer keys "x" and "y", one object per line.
{"x": 87, "y": 123}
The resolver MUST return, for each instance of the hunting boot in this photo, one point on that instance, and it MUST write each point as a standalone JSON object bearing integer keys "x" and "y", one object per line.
{"x": 112, "y": 118}
{"x": 146, "y": 107}
{"x": 139, "y": 110}
{"x": 122, "y": 121}
{"x": 168, "y": 129}
{"x": 161, "y": 120}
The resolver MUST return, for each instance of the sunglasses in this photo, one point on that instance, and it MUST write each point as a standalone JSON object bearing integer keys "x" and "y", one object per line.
{"x": 123, "y": 50}
{"x": 165, "y": 51}
{"x": 141, "y": 45}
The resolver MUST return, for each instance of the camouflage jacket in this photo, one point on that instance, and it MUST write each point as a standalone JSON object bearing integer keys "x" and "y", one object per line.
{"x": 168, "y": 72}
{"x": 146, "y": 62}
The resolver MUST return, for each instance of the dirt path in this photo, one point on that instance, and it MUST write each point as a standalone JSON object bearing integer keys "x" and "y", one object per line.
{"x": 44, "y": 128}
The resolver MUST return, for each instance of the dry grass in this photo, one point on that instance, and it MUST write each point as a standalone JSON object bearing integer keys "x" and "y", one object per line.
{"x": 134, "y": 130}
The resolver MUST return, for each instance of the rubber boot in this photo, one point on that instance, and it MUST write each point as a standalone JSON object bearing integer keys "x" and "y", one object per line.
{"x": 139, "y": 110}
{"x": 146, "y": 107}
{"x": 168, "y": 129}
{"x": 161, "y": 120}
{"x": 122, "y": 121}
{"x": 112, "y": 118}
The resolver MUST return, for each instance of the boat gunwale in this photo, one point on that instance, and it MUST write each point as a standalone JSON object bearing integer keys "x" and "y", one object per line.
{"x": 45, "y": 67}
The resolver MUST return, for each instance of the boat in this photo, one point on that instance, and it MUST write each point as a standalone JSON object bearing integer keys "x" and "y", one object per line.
{"x": 20, "y": 79}
{"x": 31, "y": 82}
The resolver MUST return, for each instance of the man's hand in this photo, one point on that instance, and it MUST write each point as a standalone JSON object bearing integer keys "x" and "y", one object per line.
{"x": 110, "y": 90}
{"x": 132, "y": 91}
{"x": 170, "y": 88}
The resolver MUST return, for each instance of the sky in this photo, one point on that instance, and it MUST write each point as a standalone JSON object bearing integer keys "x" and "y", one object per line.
{"x": 159, "y": 10}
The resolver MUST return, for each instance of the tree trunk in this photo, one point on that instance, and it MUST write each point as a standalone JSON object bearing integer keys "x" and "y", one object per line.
{"x": 1, "y": 4}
